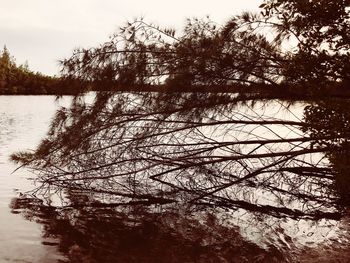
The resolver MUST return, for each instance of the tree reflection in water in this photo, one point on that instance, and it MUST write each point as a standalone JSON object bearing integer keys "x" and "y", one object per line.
{"x": 153, "y": 152}
{"x": 131, "y": 234}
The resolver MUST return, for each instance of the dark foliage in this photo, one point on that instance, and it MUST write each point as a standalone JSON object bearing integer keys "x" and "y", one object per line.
{"x": 332, "y": 119}
{"x": 248, "y": 50}
{"x": 20, "y": 80}
{"x": 321, "y": 30}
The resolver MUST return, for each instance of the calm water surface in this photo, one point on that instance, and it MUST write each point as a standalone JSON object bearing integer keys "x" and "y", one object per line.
{"x": 24, "y": 120}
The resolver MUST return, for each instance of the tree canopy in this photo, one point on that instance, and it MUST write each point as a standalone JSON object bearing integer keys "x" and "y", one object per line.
{"x": 321, "y": 31}
{"x": 249, "y": 49}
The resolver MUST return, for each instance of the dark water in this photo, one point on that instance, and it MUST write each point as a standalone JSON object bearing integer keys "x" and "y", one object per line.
{"x": 32, "y": 231}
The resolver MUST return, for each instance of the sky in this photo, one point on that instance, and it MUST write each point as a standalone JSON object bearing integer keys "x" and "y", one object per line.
{"x": 42, "y": 32}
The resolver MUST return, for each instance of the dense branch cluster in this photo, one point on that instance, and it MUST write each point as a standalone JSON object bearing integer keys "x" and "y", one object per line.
{"x": 206, "y": 148}
{"x": 204, "y": 55}
{"x": 321, "y": 30}
{"x": 249, "y": 49}
{"x": 199, "y": 149}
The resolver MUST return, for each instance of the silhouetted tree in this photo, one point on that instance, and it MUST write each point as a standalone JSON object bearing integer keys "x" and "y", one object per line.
{"x": 186, "y": 148}
{"x": 321, "y": 32}
{"x": 247, "y": 50}
{"x": 196, "y": 148}
{"x": 21, "y": 80}
{"x": 331, "y": 118}
{"x": 7, "y": 65}
{"x": 143, "y": 54}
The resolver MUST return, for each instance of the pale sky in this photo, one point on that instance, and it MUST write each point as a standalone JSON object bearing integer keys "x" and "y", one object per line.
{"x": 44, "y": 31}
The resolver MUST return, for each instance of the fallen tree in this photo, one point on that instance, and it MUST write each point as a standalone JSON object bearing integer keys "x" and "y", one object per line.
{"x": 199, "y": 149}
{"x": 204, "y": 148}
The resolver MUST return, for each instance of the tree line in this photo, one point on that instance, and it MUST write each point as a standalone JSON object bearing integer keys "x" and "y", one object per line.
{"x": 20, "y": 80}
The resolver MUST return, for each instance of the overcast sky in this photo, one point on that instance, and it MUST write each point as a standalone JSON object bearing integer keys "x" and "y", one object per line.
{"x": 44, "y": 31}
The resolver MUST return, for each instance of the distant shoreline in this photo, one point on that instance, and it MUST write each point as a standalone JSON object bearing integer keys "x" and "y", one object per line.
{"x": 257, "y": 91}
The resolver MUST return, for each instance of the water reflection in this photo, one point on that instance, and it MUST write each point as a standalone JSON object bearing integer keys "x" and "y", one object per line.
{"x": 24, "y": 121}
{"x": 156, "y": 152}
{"x": 195, "y": 148}
{"x": 96, "y": 233}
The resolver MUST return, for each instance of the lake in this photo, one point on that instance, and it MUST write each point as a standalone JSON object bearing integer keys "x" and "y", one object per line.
{"x": 26, "y": 238}
{"x": 24, "y": 120}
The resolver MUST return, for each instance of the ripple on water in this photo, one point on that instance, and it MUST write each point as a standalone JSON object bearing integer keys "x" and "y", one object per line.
{"x": 24, "y": 121}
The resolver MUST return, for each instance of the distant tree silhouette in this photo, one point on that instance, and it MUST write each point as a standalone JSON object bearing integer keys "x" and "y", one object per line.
{"x": 7, "y": 64}
{"x": 21, "y": 80}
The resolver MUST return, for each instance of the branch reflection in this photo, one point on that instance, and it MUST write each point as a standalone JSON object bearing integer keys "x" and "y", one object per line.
{"x": 193, "y": 148}
{"x": 167, "y": 175}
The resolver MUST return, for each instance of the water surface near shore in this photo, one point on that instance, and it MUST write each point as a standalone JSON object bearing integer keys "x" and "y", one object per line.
{"x": 24, "y": 120}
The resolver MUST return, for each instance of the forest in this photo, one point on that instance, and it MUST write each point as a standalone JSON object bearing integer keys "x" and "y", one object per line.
{"x": 20, "y": 80}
